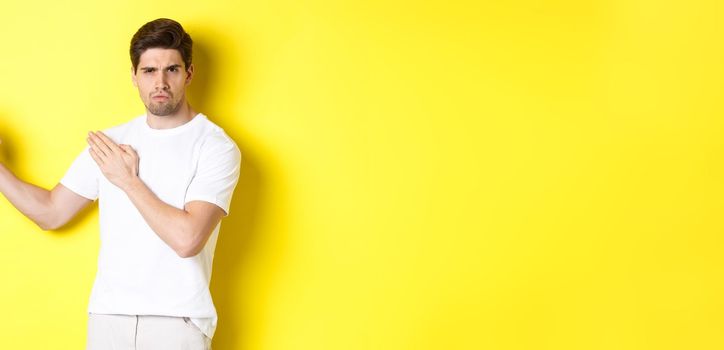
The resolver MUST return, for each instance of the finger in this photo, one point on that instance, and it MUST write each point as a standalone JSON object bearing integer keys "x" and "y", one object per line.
{"x": 101, "y": 146}
{"x": 95, "y": 157}
{"x": 97, "y": 148}
{"x": 130, "y": 150}
{"x": 107, "y": 141}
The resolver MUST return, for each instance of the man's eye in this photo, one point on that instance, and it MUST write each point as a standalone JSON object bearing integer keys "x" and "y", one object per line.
{"x": 172, "y": 69}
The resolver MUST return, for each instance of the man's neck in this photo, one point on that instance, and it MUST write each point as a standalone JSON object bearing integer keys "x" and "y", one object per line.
{"x": 178, "y": 118}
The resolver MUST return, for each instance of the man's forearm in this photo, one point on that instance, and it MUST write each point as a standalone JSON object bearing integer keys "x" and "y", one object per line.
{"x": 33, "y": 201}
{"x": 171, "y": 224}
{"x": 184, "y": 230}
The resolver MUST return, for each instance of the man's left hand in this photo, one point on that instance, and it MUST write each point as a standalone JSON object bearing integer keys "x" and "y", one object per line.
{"x": 119, "y": 163}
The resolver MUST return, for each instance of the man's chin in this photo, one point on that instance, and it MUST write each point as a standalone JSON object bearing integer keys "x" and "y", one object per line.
{"x": 161, "y": 110}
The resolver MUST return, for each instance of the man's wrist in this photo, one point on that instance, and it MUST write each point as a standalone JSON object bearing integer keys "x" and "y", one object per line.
{"x": 133, "y": 184}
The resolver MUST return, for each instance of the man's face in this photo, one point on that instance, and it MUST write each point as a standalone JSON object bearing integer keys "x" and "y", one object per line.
{"x": 161, "y": 80}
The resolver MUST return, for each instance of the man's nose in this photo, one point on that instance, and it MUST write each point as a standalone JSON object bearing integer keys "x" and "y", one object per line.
{"x": 161, "y": 81}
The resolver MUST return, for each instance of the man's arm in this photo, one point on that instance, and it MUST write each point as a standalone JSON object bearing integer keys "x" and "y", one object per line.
{"x": 184, "y": 230}
{"x": 48, "y": 209}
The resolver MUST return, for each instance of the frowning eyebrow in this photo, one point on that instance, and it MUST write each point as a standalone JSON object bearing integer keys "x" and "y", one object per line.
{"x": 153, "y": 69}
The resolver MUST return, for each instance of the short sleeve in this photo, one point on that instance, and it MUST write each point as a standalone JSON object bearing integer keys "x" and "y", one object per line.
{"x": 82, "y": 176}
{"x": 217, "y": 174}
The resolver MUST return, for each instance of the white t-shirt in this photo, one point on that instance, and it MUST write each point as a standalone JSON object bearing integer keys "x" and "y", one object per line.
{"x": 138, "y": 273}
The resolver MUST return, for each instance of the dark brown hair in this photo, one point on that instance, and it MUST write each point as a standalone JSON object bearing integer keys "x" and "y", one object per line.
{"x": 161, "y": 33}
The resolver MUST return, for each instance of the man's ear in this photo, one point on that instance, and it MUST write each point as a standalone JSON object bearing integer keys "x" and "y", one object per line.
{"x": 133, "y": 77}
{"x": 189, "y": 74}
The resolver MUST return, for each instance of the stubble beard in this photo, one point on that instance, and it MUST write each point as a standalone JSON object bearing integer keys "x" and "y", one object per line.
{"x": 163, "y": 109}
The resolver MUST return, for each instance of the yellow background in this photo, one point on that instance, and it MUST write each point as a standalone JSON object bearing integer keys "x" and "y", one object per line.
{"x": 417, "y": 174}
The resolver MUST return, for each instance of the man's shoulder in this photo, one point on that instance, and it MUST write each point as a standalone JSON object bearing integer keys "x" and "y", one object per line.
{"x": 214, "y": 136}
{"x": 121, "y": 129}
{"x": 217, "y": 145}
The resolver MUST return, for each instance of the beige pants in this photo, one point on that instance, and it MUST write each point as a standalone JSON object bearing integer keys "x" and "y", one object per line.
{"x": 123, "y": 332}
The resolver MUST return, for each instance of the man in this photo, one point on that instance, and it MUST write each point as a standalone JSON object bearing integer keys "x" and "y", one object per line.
{"x": 163, "y": 180}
